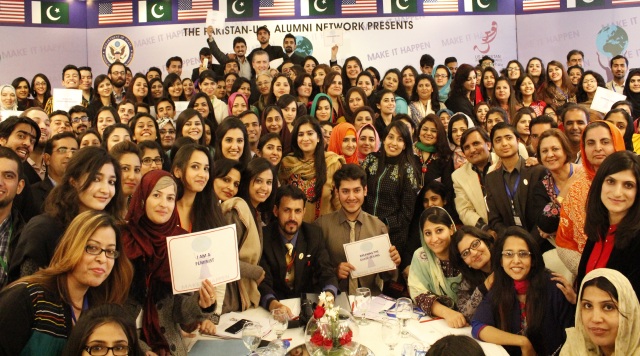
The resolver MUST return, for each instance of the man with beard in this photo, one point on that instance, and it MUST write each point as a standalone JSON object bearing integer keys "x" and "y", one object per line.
{"x": 117, "y": 73}
{"x": 60, "y": 122}
{"x": 252, "y": 123}
{"x": 618, "y": 65}
{"x": 70, "y": 80}
{"x": 79, "y": 119}
{"x": 264, "y": 35}
{"x": 350, "y": 224}
{"x": 575, "y": 118}
{"x": 57, "y": 152}
{"x": 11, "y": 222}
{"x": 239, "y": 53}
{"x": 289, "y": 45}
{"x": 294, "y": 257}
{"x": 35, "y": 159}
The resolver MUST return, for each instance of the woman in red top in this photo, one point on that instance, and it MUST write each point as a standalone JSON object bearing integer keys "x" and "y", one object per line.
{"x": 613, "y": 219}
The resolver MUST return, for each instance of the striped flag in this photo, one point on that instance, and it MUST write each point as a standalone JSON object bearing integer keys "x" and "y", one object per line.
{"x": 357, "y": 7}
{"x": 536, "y": 5}
{"x": 115, "y": 12}
{"x": 276, "y": 8}
{"x": 624, "y": 2}
{"x": 440, "y": 6}
{"x": 12, "y": 11}
{"x": 193, "y": 9}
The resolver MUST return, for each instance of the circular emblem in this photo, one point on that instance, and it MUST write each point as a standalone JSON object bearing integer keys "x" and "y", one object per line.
{"x": 117, "y": 48}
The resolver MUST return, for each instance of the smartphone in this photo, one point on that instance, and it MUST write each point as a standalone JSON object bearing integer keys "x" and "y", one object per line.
{"x": 237, "y": 327}
{"x": 205, "y": 63}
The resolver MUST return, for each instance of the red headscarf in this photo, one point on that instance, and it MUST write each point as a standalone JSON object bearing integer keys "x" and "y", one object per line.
{"x": 337, "y": 136}
{"x": 144, "y": 239}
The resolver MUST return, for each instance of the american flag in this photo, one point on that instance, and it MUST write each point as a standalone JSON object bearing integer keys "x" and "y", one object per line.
{"x": 275, "y": 8}
{"x": 625, "y": 2}
{"x": 12, "y": 11}
{"x": 115, "y": 12}
{"x": 536, "y": 5}
{"x": 359, "y": 7}
{"x": 440, "y": 6}
{"x": 193, "y": 9}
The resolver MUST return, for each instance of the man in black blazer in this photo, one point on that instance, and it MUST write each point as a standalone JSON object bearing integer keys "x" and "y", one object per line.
{"x": 511, "y": 184}
{"x": 310, "y": 268}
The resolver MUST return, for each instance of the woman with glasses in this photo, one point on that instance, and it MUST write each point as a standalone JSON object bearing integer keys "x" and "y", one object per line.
{"x": 587, "y": 86}
{"x": 524, "y": 311}
{"x": 91, "y": 182}
{"x": 152, "y": 217}
{"x": 87, "y": 270}
{"x": 152, "y": 156}
{"x": 514, "y": 71}
{"x": 40, "y": 90}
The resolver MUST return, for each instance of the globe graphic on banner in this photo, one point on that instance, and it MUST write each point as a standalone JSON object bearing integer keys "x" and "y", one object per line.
{"x": 303, "y": 46}
{"x": 612, "y": 40}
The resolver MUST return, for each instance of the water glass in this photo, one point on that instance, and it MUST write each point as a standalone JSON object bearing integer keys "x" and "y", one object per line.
{"x": 390, "y": 332}
{"x": 362, "y": 302}
{"x": 251, "y": 336}
{"x": 404, "y": 312}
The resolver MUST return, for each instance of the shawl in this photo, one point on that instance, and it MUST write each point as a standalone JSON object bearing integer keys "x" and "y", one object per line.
{"x": 443, "y": 93}
{"x": 426, "y": 275}
{"x": 249, "y": 250}
{"x": 231, "y": 100}
{"x": 147, "y": 240}
{"x": 627, "y": 342}
{"x": 335, "y": 142}
{"x": 361, "y": 156}
{"x": 632, "y": 97}
{"x": 458, "y": 156}
{"x": 314, "y": 105}
{"x": 15, "y": 102}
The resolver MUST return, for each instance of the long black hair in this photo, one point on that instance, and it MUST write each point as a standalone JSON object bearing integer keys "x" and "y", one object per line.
{"x": 406, "y": 158}
{"x": 435, "y": 96}
{"x": 319, "y": 163}
{"x": 473, "y": 276}
{"x": 230, "y": 123}
{"x": 401, "y": 91}
{"x": 257, "y": 166}
{"x": 212, "y": 116}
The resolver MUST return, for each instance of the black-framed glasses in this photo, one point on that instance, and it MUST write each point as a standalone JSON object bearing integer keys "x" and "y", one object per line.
{"x": 147, "y": 161}
{"x": 97, "y": 350}
{"x": 508, "y": 254}
{"x": 474, "y": 246}
{"x": 76, "y": 120}
{"x": 96, "y": 250}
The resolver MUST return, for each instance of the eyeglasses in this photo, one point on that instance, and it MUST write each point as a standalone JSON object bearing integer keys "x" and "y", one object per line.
{"x": 97, "y": 350}
{"x": 167, "y": 132}
{"x": 96, "y": 250}
{"x": 474, "y": 246}
{"x": 76, "y": 120}
{"x": 523, "y": 255}
{"x": 118, "y": 73}
{"x": 147, "y": 161}
{"x": 441, "y": 76}
{"x": 64, "y": 150}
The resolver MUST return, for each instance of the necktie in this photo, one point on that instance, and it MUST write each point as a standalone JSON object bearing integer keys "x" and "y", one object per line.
{"x": 289, "y": 276}
{"x": 353, "y": 282}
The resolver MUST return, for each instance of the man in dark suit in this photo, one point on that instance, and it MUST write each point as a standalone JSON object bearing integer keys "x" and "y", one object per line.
{"x": 294, "y": 257}
{"x": 510, "y": 184}
{"x": 264, "y": 35}
{"x": 57, "y": 152}
{"x": 289, "y": 45}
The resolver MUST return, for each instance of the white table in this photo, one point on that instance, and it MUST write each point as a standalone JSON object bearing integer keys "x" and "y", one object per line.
{"x": 370, "y": 335}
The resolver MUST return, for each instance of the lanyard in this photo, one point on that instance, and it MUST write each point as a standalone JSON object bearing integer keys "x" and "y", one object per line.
{"x": 555, "y": 187}
{"x": 512, "y": 193}
{"x": 85, "y": 306}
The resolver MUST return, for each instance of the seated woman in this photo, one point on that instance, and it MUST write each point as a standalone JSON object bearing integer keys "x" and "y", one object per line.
{"x": 611, "y": 224}
{"x": 153, "y": 216}
{"x": 608, "y": 313}
{"x": 104, "y": 328}
{"x": 433, "y": 280}
{"x": 470, "y": 253}
{"x": 87, "y": 270}
{"x": 524, "y": 311}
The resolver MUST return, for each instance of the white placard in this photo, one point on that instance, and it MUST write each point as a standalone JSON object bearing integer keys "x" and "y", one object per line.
{"x": 604, "y": 99}
{"x": 215, "y": 18}
{"x": 5, "y": 114}
{"x": 64, "y": 99}
{"x": 369, "y": 256}
{"x": 333, "y": 37}
{"x": 211, "y": 254}
{"x": 180, "y": 107}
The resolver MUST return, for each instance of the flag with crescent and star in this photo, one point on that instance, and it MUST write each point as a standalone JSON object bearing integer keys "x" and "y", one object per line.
{"x": 317, "y": 7}
{"x": 399, "y": 6}
{"x": 571, "y": 4}
{"x": 154, "y": 11}
{"x": 49, "y": 12}
{"x": 480, "y": 5}
{"x": 239, "y": 8}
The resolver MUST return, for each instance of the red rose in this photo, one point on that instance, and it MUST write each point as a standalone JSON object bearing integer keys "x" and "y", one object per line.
{"x": 319, "y": 312}
{"x": 317, "y": 338}
{"x": 346, "y": 338}
{"x": 328, "y": 343}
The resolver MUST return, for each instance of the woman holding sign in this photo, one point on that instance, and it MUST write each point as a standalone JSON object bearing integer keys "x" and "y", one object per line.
{"x": 151, "y": 218}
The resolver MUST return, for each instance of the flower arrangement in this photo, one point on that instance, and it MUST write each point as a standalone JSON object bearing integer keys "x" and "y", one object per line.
{"x": 331, "y": 329}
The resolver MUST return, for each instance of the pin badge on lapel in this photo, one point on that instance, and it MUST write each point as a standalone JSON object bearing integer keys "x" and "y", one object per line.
{"x": 526, "y": 182}
{"x": 301, "y": 255}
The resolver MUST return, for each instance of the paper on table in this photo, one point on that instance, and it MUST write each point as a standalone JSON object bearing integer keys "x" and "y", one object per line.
{"x": 64, "y": 99}
{"x": 211, "y": 254}
{"x": 377, "y": 308}
{"x": 369, "y": 256}
{"x": 604, "y": 99}
{"x": 226, "y": 320}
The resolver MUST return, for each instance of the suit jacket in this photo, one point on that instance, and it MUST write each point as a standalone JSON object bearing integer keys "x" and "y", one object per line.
{"x": 312, "y": 266}
{"x": 40, "y": 192}
{"x": 31, "y": 173}
{"x": 499, "y": 204}
{"x": 469, "y": 199}
{"x": 295, "y": 58}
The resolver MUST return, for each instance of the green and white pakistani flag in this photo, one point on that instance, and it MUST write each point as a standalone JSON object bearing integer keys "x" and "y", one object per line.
{"x": 399, "y": 6}
{"x": 317, "y": 7}
{"x": 480, "y": 5}
{"x": 237, "y": 9}
{"x": 583, "y": 3}
{"x": 154, "y": 11}
{"x": 49, "y": 12}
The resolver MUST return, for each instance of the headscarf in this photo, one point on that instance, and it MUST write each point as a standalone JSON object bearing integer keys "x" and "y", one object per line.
{"x": 335, "y": 142}
{"x": 147, "y": 240}
{"x": 360, "y": 155}
{"x": 232, "y": 99}
{"x": 15, "y": 102}
{"x": 627, "y": 341}
{"x": 428, "y": 275}
{"x": 314, "y": 105}
{"x": 458, "y": 156}
{"x": 164, "y": 121}
{"x": 618, "y": 144}
{"x": 444, "y": 110}
{"x": 632, "y": 97}
{"x": 443, "y": 93}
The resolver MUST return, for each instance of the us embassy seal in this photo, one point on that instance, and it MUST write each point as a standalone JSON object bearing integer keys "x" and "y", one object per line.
{"x": 117, "y": 48}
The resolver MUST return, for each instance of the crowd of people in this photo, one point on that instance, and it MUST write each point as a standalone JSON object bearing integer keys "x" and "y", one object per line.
{"x": 511, "y": 206}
